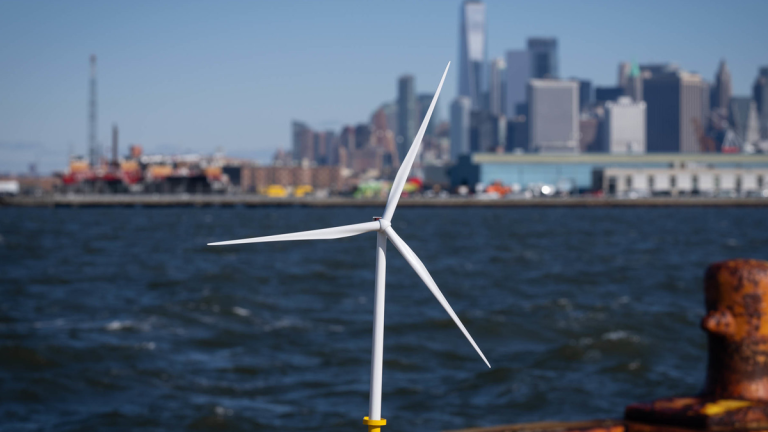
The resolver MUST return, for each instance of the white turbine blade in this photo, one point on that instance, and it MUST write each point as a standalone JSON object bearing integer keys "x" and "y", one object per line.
{"x": 321, "y": 234}
{"x": 417, "y": 265}
{"x": 405, "y": 167}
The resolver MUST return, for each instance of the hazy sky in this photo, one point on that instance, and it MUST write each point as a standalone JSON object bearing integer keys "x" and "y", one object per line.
{"x": 182, "y": 76}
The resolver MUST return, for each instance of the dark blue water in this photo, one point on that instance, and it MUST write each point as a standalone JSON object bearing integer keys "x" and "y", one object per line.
{"x": 122, "y": 319}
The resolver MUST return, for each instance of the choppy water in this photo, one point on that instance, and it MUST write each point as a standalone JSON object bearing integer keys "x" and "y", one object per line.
{"x": 122, "y": 319}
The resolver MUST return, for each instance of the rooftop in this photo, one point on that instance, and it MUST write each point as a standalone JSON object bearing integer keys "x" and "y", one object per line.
{"x": 606, "y": 158}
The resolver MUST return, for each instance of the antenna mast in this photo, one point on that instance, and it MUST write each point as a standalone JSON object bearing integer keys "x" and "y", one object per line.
{"x": 94, "y": 152}
{"x": 114, "y": 145}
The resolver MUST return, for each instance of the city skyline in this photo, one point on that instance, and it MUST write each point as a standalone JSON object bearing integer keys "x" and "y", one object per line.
{"x": 172, "y": 88}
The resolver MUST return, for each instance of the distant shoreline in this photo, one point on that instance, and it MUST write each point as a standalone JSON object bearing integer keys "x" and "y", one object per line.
{"x": 260, "y": 201}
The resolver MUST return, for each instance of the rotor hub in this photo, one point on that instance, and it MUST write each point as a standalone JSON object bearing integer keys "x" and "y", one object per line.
{"x": 383, "y": 223}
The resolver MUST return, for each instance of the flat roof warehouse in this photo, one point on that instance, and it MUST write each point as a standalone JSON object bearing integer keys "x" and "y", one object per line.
{"x": 577, "y": 169}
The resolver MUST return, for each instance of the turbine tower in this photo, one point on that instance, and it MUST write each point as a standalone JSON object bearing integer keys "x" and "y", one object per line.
{"x": 384, "y": 231}
{"x": 94, "y": 152}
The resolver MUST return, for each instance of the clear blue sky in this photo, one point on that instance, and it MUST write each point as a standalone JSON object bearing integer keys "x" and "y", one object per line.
{"x": 191, "y": 76}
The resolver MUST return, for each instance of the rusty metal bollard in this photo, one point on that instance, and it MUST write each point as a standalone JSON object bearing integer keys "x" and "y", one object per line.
{"x": 737, "y": 325}
{"x": 735, "y": 394}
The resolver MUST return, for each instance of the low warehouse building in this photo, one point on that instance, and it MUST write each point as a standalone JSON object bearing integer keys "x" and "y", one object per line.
{"x": 578, "y": 170}
{"x": 681, "y": 180}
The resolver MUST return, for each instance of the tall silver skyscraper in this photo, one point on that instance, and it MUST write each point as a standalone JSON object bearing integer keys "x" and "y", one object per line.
{"x": 518, "y": 74}
{"x": 406, "y": 114}
{"x": 496, "y": 86}
{"x": 472, "y": 51}
{"x": 460, "y": 124}
{"x": 543, "y": 53}
{"x": 553, "y": 119}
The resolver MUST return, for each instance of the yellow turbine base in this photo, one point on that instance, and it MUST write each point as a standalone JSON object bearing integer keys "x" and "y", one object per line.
{"x": 374, "y": 425}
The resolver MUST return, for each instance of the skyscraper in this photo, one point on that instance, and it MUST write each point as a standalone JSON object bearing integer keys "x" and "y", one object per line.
{"x": 634, "y": 86}
{"x": 406, "y": 114}
{"x": 518, "y": 74}
{"x": 624, "y": 70}
{"x": 652, "y": 69}
{"x": 362, "y": 136}
{"x": 631, "y": 80}
{"x": 303, "y": 142}
{"x": 760, "y": 94}
{"x": 472, "y": 51}
{"x": 517, "y": 134}
{"x": 543, "y": 52}
{"x": 608, "y": 94}
{"x": 589, "y": 128}
{"x": 423, "y": 101}
{"x": 460, "y": 124}
{"x": 585, "y": 93}
{"x": 553, "y": 120}
{"x": 743, "y": 117}
{"x": 676, "y": 108}
{"x": 332, "y": 149}
{"x": 706, "y": 95}
{"x": 383, "y": 140}
{"x": 624, "y": 126}
{"x": 496, "y": 86}
{"x": 721, "y": 96}
{"x": 347, "y": 138}
{"x": 320, "y": 148}
{"x": 487, "y": 132}
{"x": 390, "y": 110}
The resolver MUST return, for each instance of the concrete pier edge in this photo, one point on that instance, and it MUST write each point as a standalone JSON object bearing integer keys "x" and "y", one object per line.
{"x": 260, "y": 201}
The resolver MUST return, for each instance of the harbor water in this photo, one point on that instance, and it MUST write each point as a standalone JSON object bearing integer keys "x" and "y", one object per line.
{"x": 123, "y": 319}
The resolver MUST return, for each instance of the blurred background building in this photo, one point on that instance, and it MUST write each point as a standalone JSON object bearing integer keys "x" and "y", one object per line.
{"x": 515, "y": 104}
{"x": 624, "y": 130}
{"x": 677, "y": 103}
{"x": 406, "y": 117}
{"x": 472, "y": 52}
{"x": 553, "y": 121}
{"x": 544, "y": 62}
{"x": 518, "y": 73}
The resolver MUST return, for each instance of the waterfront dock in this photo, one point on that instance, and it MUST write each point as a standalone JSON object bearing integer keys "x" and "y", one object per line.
{"x": 252, "y": 200}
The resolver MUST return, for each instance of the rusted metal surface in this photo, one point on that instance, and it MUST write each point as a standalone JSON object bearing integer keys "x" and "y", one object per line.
{"x": 735, "y": 394}
{"x": 644, "y": 427}
{"x": 698, "y": 413}
{"x": 581, "y": 426}
{"x": 737, "y": 325}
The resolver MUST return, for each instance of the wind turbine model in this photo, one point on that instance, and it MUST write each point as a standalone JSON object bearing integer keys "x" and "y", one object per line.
{"x": 383, "y": 227}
